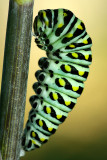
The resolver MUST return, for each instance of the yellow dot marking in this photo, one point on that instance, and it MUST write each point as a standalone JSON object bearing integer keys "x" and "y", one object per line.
{"x": 50, "y": 129}
{"x": 85, "y": 42}
{"x": 80, "y": 27}
{"x": 75, "y": 55}
{"x": 60, "y": 25}
{"x": 61, "y": 82}
{"x": 44, "y": 14}
{"x": 40, "y": 123}
{"x": 55, "y": 96}
{"x": 33, "y": 142}
{"x": 81, "y": 73}
{"x": 67, "y": 68}
{"x": 48, "y": 110}
{"x": 33, "y": 134}
{"x": 72, "y": 46}
{"x": 86, "y": 57}
{"x": 47, "y": 23}
{"x": 65, "y": 14}
{"x": 67, "y": 103}
{"x": 75, "y": 88}
{"x": 69, "y": 35}
{"x": 42, "y": 139}
{"x": 59, "y": 116}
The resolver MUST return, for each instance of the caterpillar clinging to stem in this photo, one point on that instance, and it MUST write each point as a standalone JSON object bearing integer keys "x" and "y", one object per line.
{"x": 62, "y": 75}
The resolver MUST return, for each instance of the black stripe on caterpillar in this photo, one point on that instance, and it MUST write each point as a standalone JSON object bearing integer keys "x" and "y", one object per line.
{"x": 60, "y": 80}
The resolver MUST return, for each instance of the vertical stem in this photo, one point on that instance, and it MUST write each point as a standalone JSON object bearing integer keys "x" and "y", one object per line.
{"x": 15, "y": 75}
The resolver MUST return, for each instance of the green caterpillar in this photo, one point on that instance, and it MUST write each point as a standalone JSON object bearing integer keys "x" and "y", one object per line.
{"x": 60, "y": 80}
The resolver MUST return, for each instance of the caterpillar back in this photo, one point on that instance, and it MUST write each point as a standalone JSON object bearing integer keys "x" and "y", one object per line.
{"x": 60, "y": 80}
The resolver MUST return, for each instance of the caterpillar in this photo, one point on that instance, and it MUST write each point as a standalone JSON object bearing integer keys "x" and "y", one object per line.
{"x": 61, "y": 79}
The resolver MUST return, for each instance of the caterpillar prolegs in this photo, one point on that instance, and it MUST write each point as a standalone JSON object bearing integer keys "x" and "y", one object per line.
{"x": 60, "y": 80}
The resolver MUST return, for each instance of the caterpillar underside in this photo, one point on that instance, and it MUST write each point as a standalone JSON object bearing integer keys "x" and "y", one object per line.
{"x": 60, "y": 80}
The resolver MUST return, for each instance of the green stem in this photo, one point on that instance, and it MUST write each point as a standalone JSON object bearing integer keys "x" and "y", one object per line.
{"x": 15, "y": 75}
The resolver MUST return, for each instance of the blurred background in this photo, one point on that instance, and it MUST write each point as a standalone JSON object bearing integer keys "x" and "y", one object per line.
{"x": 83, "y": 136}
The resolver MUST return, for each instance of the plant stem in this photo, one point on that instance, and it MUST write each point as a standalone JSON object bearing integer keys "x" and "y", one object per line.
{"x": 15, "y": 75}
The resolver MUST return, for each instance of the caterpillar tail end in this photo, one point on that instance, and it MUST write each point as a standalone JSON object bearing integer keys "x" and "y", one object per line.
{"x": 22, "y": 152}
